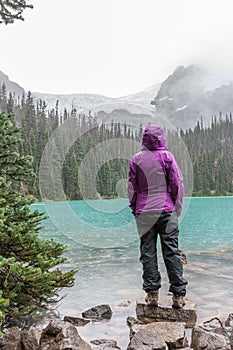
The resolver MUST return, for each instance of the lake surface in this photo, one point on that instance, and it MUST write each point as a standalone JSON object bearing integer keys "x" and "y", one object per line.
{"x": 103, "y": 246}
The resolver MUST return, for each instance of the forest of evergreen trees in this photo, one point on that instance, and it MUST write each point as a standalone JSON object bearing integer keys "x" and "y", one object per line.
{"x": 209, "y": 150}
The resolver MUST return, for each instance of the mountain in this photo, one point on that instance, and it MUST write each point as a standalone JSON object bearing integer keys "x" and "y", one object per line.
{"x": 183, "y": 98}
{"x": 180, "y": 100}
{"x": 12, "y": 87}
{"x": 84, "y": 102}
{"x": 143, "y": 97}
{"x": 131, "y": 109}
{"x": 135, "y": 103}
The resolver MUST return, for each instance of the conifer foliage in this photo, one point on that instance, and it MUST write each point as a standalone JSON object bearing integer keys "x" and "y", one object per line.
{"x": 28, "y": 275}
{"x": 11, "y": 10}
{"x": 210, "y": 148}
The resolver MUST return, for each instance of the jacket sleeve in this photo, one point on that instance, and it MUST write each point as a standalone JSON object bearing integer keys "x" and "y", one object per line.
{"x": 175, "y": 184}
{"x": 132, "y": 186}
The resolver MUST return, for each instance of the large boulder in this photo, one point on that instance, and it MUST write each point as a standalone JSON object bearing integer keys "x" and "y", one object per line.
{"x": 60, "y": 335}
{"x": 211, "y": 339}
{"x": 145, "y": 340}
{"x": 172, "y": 333}
{"x": 213, "y": 334}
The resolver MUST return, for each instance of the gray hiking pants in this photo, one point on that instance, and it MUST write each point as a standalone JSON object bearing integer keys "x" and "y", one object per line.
{"x": 166, "y": 226}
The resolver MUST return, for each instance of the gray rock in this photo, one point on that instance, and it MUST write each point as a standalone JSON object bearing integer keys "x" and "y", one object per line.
{"x": 131, "y": 321}
{"x": 145, "y": 340}
{"x": 11, "y": 339}
{"x": 60, "y": 335}
{"x": 225, "y": 331}
{"x": 150, "y": 313}
{"x": 173, "y": 333}
{"x": 76, "y": 321}
{"x": 231, "y": 338}
{"x": 12, "y": 345}
{"x": 98, "y": 312}
{"x": 229, "y": 320}
{"x": 209, "y": 340}
{"x": 29, "y": 340}
{"x": 213, "y": 323}
{"x": 105, "y": 344}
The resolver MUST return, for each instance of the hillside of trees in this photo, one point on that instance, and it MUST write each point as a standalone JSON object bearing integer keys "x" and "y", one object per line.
{"x": 211, "y": 152}
{"x": 209, "y": 149}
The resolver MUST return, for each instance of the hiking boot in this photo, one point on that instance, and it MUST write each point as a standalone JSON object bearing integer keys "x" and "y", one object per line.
{"x": 178, "y": 301}
{"x": 152, "y": 297}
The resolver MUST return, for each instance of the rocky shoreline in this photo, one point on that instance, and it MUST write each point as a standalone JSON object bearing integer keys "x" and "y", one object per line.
{"x": 153, "y": 328}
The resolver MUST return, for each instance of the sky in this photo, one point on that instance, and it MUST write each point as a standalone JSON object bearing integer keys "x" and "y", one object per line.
{"x": 116, "y": 47}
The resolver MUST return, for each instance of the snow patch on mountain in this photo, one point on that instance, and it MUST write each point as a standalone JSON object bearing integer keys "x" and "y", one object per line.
{"x": 135, "y": 103}
{"x": 181, "y": 108}
{"x": 166, "y": 98}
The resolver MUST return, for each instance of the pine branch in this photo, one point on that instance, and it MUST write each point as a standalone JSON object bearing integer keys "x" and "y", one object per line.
{"x": 11, "y": 10}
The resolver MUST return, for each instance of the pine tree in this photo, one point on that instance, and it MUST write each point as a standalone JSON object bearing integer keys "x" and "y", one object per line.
{"x": 28, "y": 275}
{"x": 3, "y": 97}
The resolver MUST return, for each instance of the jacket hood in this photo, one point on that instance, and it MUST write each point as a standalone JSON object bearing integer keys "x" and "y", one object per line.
{"x": 153, "y": 138}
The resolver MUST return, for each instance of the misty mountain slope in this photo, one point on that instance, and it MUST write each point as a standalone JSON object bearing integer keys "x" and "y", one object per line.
{"x": 124, "y": 116}
{"x": 183, "y": 98}
{"x": 135, "y": 103}
{"x": 11, "y": 86}
{"x": 143, "y": 97}
{"x": 82, "y": 102}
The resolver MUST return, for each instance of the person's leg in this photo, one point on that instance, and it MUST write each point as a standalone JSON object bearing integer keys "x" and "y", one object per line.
{"x": 168, "y": 229}
{"x": 148, "y": 257}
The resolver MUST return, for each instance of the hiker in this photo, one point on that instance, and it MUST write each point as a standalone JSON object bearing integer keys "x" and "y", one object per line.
{"x": 155, "y": 192}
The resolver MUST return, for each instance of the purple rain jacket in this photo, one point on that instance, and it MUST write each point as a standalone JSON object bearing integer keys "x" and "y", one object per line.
{"x": 155, "y": 182}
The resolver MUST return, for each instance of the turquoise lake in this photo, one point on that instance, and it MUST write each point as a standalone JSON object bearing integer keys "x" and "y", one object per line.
{"x": 103, "y": 245}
